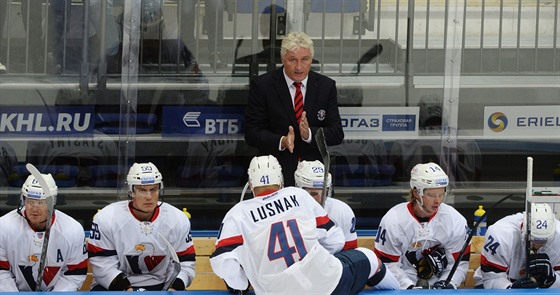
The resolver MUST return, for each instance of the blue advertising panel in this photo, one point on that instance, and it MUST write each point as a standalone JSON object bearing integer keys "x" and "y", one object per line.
{"x": 203, "y": 121}
{"x": 399, "y": 122}
{"x": 379, "y": 122}
{"x": 39, "y": 121}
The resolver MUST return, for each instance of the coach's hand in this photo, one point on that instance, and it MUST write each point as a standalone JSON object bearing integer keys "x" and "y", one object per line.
{"x": 304, "y": 126}
{"x": 541, "y": 269}
{"x": 288, "y": 140}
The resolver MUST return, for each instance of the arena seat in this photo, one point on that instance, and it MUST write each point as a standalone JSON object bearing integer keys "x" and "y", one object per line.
{"x": 477, "y": 243}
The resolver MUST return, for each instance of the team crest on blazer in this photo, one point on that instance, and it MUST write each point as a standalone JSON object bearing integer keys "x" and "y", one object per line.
{"x": 321, "y": 115}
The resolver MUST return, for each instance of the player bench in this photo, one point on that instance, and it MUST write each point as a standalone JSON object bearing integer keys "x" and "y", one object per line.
{"x": 206, "y": 279}
{"x": 477, "y": 243}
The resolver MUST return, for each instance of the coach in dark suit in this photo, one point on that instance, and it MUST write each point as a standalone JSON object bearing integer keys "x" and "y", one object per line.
{"x": 270, "y": 116}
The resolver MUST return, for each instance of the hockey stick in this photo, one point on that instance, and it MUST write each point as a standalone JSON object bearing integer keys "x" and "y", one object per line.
{"x": 528, "y": 195}
{"x": 467, "y": 242}
{"x": 176, "y": 264}
{"x": 50, "y": 205}
{"x": 372, "y": 53}
{"x": 322, "y": 145}
{"x": 244, "y": 191}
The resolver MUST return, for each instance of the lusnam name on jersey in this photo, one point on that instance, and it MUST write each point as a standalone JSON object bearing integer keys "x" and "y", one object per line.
{"x": 34, "y": 122}
{"x": 274, "y": 207}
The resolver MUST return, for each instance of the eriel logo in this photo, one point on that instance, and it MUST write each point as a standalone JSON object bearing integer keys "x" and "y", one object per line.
{"x": 33, "y": 122}
{"x": 497, "y": 122}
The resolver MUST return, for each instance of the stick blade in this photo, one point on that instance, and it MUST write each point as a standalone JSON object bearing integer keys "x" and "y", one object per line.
{"x": 176, "y": 263}
{"x": 42, "y": 182}
{"x": 171, "y": 249}
{"x": 321, "y": 143}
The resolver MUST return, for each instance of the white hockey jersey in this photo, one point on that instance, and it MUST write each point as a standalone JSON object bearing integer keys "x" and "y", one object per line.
{"x": 282, "y": 243}
{"x": 20, "y": 254}
{"x": 503, "y": 256}
{"x": 343, "y": 216}
{"x": 402, "y": 239}
{"x": 121, "y": 243}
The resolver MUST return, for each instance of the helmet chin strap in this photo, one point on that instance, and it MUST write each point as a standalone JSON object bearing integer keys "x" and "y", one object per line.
{"x": 140, "y": 210}
{"x": 420, "y": 202}
{"x": 21, "y": 213}
{"x": 421, "y": 206}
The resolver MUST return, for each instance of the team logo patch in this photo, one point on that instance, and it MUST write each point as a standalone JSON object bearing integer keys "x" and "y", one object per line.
{"x": 415, "y": 245}
{"x": 146, "y": 227}
{"x": 38, "y": 239}
{"x": 147, "y": 179}
{"x": 441, "y": 181}
{"x": 317, "y": 184}
{"x": 321, "y": 115}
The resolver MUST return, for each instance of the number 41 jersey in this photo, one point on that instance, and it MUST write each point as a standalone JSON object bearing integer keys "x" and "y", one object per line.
{"x": 282, "y": 243}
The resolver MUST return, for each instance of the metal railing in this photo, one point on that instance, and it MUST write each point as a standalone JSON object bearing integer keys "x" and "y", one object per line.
{"x": 505, "y": 37}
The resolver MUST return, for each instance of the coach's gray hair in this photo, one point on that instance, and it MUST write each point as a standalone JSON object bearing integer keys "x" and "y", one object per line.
{"x": 296, "y": 40}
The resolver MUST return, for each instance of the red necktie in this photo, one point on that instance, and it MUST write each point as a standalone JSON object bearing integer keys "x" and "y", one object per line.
{"x": 298, "y": 101}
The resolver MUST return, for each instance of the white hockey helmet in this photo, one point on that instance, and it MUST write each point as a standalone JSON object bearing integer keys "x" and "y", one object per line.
{"x": 143, "y": 174}
{"x": 265, "y": 170}
{"x": 32, "y": 188}
{"x": 543, "y": 222}
{"x": 310, "y": 174}
{"x": 429, "y": 175}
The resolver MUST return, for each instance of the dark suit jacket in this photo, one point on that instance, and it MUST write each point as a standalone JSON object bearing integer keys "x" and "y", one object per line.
{"x": 270, "y": 111}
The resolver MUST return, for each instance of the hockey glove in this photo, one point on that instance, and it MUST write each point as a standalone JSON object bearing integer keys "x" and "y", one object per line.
{"x": 541, "y": 269}
{"x": 525, "y": 283}
{"x": 432, "y": 264}
{"x": 442, "y": 285}
{"x": 422, "y": 284}
{"x": 120, "y": 283}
